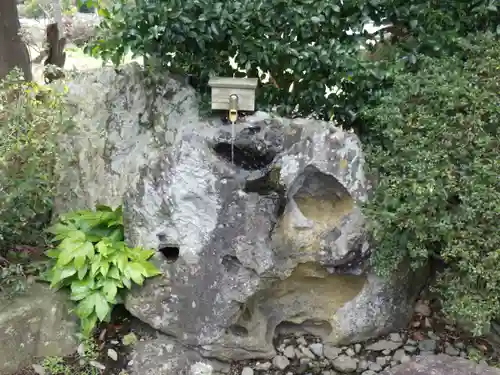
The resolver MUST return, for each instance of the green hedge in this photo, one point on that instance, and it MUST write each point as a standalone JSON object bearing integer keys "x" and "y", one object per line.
{"x": 434, "y": 145}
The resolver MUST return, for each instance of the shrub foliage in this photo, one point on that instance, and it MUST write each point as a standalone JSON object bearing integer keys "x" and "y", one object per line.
{"x": 435, "y": 145}
{"x": 304, "y": 44}
{"x": 31, "y": 118}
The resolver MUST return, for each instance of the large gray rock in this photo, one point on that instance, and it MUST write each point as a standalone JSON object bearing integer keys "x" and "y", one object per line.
{"x": 33, "y": 325}
{"x": 268, "y": 241}
{"x": 441, "y": 365}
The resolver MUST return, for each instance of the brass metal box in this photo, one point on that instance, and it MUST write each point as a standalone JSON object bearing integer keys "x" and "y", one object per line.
{"x": 224, "y": 87}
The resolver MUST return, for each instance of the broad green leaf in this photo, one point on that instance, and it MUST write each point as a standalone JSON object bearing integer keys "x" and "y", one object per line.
{"x": 110, "y": 289}
{"x": 104, "y": 268}
{"x": 81, "y": 289}
{"x": 114, "y": 273}
{"x": 126, "y": 282}
{"x": 149, "y": 269}
{"x": 74, "y": 246}
{"x": 143, "y": 254}
{"x": 135, "y": 271}
{"x": 102, "y": 306}
{"x": 53, "y": 253}
{"x": 86, "y": 306}
{"x": 60, "y": 229}
{"x": 88, "y": 324}
{"x": 104, "y": 208}
{"x": 60, "y": 274}
{"x": 120, "y": 260}
{"x": 95, "y": 264}
{"x": 82, "y": 272}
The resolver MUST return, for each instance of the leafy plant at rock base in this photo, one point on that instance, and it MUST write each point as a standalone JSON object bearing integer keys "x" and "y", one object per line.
{"x": 93, "y": 260}
{"x": 31, "y": 119}
{"x": 435, "y": 146}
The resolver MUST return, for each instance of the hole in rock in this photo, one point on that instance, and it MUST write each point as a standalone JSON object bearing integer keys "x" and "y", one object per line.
{"x": 319, "y": 328}
{"x": 248, "y": 158}
{"x": 230, "y": 263}
{"x": 238, "y": 330}
{"x": 171, "y": 253}
{"x": 264, "y": 184}
{"x": 251, "y": 130}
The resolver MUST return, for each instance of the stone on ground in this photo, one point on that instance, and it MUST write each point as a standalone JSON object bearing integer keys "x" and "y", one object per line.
{"x": 33, "y": 325}
{"x": 165, "y": 356}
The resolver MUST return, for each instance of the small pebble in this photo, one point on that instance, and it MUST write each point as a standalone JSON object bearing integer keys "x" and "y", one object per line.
{"x": 307, "y": 352}
{"x": 382, "y": 361}
{"x": 357, "y": 348}
{"x": 289, "y": 352}
{"x": 247, "y": 371}
{"x": 40, "y": 370}
{"x": 281, "y": 362}
{"x": 302, "y": 341}
{"x": 345, "y": 364}
{"x": 427, "y": 345}
{"x": 410, "y": 349}
{"x": 350, "y": 352}
{"x": 317, "y": 348}
{"x": 396, "y": 337}
{"x": 331, "y": 352}
{"x": 400, "y": 356}
{"x": 363, "y": 364}
{"x": 113, "y": 354}
{"x": 450, "y": 350}
{"x": 374, "y": 367}
{"x": 263, "y": 366}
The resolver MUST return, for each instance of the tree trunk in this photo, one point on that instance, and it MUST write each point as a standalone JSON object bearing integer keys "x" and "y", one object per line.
{"x": 13, "y": 51}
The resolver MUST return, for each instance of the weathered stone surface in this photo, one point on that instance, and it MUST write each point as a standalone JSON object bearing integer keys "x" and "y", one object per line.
{"x": 441, "y": 365}
{"x": 165, "y": 356}
{"x": 35, "y": 324}
{"x": 268, "y": 241}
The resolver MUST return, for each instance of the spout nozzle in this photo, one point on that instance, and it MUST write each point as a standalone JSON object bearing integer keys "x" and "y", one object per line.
{"x": 233, "y": 108}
